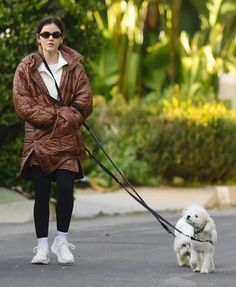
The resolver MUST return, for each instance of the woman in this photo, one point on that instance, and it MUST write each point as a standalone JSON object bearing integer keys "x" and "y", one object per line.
{"x": 53, "y": 146}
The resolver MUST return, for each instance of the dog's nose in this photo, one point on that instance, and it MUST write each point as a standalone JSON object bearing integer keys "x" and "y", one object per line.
{"x": 188, "y": 216}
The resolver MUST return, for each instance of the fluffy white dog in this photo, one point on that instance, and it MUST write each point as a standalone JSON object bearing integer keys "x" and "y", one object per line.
{"x": 182, "y": 243}
{"x": 201, "y": 259}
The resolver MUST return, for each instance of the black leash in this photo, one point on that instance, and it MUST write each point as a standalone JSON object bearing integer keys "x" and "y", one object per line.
{"x": 136, "y": 196}
{"x": 141, "y": 201}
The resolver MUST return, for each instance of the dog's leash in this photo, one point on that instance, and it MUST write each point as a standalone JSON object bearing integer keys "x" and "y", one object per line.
{"x": 137, "y": 198}
{"x": 135, "y": 195}
{"x": 164, "y": 223}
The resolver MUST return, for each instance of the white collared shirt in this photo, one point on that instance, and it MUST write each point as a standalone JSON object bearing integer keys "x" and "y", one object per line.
{"x": 57, "y": 72}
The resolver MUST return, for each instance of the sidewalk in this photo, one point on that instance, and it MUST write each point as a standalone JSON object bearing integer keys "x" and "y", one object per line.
{"x": 15, "y": 208}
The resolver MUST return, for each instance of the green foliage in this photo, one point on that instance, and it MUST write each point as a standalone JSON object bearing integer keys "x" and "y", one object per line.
{"x": 211, "y": 51}
{"x": 155, "y": 143}
{"x": 9, "y": 165}
{"x": 149, "y": 46}
{"x": 193, "y": 142}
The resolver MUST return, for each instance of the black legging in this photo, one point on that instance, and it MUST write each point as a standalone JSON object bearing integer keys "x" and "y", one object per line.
{"x": 64, "y": 207}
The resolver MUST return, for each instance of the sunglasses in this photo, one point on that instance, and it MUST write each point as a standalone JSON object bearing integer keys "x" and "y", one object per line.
{"x": 55, "y": 35}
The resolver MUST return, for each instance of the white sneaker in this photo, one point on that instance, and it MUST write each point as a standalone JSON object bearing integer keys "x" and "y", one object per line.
{"x": 41, "y": 256}
{"x": 62, "y": 249}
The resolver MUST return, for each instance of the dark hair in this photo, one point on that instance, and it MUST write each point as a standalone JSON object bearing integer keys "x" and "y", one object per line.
{"x": 49, "y": 20}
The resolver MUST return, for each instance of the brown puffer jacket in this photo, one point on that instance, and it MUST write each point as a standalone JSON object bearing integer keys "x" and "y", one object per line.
{"x": 52, "y": 132}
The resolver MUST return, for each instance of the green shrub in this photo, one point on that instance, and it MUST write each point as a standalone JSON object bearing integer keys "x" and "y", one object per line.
{"x": 157, "y": 143}
{"x": 194, "y": 142}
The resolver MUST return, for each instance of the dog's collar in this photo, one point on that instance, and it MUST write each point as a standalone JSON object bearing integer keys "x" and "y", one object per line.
{"x": 200, "y": 230}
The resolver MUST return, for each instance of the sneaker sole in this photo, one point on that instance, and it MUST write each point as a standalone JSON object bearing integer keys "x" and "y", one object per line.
{"x": 41, "y": 262}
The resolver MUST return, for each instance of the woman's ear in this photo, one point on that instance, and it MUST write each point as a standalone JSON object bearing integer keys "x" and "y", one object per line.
{"x": 38, "y": 39}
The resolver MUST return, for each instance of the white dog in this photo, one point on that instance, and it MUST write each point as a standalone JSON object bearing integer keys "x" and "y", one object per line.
{"x": 182, "y": 243}
{"x": 203, "y": 248}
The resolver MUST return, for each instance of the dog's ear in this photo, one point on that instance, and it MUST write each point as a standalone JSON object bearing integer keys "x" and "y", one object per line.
{"x": 185, "y": 211}
{"x": 210, "y": 225}
{"x": 177, "y": 246}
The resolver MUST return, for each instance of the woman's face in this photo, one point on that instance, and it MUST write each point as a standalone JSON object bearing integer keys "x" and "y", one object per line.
{"x": 50, "y": 43}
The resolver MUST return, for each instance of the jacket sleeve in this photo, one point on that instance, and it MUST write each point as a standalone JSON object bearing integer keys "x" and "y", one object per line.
{"x": 25, "y": 105}
{"x": 82, "y": 101}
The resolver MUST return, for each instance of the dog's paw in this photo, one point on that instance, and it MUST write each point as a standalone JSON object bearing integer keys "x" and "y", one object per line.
{"x": 197, "y": 269}
{"x": 183, "y": 264}
{"x": 204, "y": 271}
{"x": 212, "y": 266}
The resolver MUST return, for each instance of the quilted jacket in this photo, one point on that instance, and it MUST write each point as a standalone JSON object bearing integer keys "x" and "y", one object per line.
{"x": 52, "y": 128}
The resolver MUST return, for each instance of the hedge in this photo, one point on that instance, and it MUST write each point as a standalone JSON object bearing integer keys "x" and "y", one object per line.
{"x": 159, "y": 143}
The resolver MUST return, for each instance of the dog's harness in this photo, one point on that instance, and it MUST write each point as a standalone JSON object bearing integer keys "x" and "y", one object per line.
{"x": 196, "y": 232}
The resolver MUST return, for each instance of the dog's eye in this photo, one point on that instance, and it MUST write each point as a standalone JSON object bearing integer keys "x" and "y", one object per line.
{"x": 184, "y": 245}
{"x": 196, "y": 216}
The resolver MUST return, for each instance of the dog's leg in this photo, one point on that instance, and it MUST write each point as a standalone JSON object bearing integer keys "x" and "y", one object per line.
{"x": 212, "y": 265}
{"x": 195, "y": 261}
{"x": 207, "y": 263}
{"x": 184, "y": 262}
{"x": 212, "y": 261}
{"x": 187, "y": 261}
{"x": 181, "y": 260}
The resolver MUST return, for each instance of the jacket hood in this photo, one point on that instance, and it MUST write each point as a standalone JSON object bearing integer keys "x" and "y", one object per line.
{"x": 70, "y": 55}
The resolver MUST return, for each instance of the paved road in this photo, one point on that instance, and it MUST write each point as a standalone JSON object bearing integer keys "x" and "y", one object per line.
{"x": 116, "y": 251}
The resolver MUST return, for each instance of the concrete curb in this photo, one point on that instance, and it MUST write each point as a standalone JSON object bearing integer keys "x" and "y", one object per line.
{"x": 17, "y": 212}
{"x": 89, "y": 203}
{"x": 160, "y": 199}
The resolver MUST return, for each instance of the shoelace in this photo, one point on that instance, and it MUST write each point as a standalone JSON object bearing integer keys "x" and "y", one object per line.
{"x": 69, "y": 245}
{"x": 37, "y": 248}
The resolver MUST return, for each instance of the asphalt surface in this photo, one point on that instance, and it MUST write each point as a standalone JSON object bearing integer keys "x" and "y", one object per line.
{"x": 116, "y": 251}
